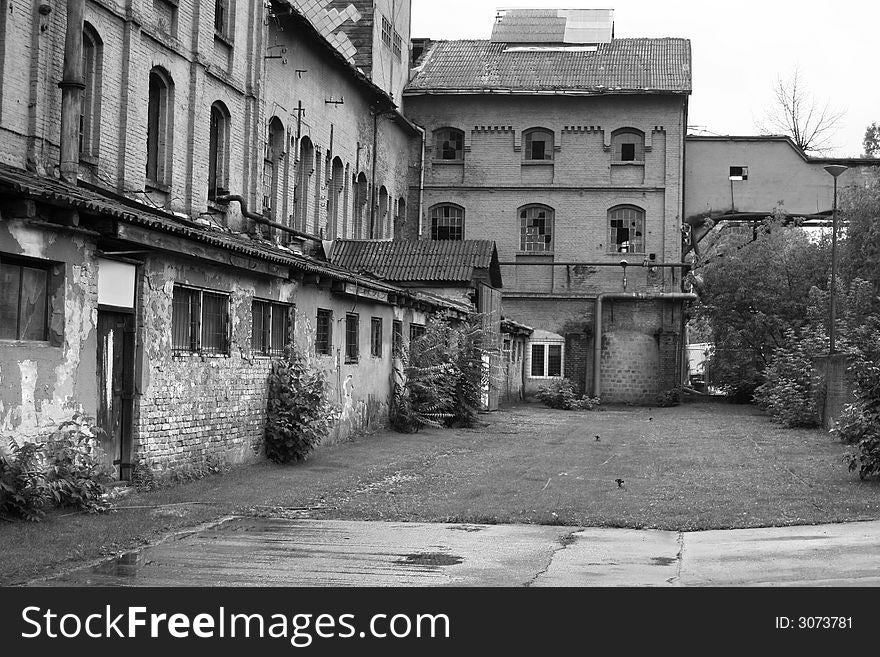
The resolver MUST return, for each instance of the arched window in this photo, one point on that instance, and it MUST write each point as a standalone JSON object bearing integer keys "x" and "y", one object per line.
{"x": 160, "y": 122}
{"x": 304, "y": 171}
{"x": 626, "y": 229}
{"x": 382, "y": 214}
{"x": 537, "y": 144}
{"x": 361, "y": 189}
{"x": 90, "y": 118}
{"x": 334, "y": 197}
{"x": 448, "y": 144}
{"x": 272, "y": 168}
{"x": 447, "y": 222}
{"x": 628, "y": 145}
{"x": 218, "y": 151}
{"x": 536, "y": 228}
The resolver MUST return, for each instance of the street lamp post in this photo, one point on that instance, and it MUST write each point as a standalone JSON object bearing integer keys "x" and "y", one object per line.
{"x": 835, "y": 170}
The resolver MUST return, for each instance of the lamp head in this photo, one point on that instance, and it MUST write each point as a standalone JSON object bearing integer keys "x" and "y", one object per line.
{"x": 835, "y": 169}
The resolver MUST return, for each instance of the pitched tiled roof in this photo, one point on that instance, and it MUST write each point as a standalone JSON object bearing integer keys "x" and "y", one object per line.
{"x": 406, "y": 261}
{"x": 622, "y": 66}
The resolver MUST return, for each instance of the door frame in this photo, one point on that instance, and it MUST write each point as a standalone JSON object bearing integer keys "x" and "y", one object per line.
{"x": 129, "y": 347}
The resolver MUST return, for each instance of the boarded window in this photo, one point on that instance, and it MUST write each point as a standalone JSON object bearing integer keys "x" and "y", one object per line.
{"x": 376, "y": 337}
{"x": 200, "y": 321}
{"x": 352, "y": 336}
{"x": 270, "y": 327}
{"x": 324, "y": 332}
{"x": 24, "y": 300}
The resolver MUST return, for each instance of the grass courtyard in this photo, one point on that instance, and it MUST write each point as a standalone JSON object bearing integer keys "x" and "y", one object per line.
{"x": 698, "y": 466}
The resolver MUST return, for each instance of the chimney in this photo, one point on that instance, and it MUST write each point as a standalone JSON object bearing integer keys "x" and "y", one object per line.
{"x": 72, "y": 86}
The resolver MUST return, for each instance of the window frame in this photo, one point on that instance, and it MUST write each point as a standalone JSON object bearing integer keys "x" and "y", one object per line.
{"x": 524, "y": 227}
{"x": 377, "y": 330}
{"x": 223, "y": 9}
{"x": 387, "y": 30}
{"x": 528, "y": 145}
{"x": 268, "y": 349}
{"x": 397, "y": 44}
{"x": 396, "y": 337}
{"x": 197, "y": 342}
{"x": 416, "y": 330}
{"x": 352, "y": 338}
{"x": 617, "y": 146}
{"x": 612, "y": 245}
{"x": 218, "y": 151}
{"x": 45, "y": 266}
{"x": 455, "y": 233}
{"x": 546, "y": 345}
{"x": 327, "y": 340}
{"x": 90, "y": 112}
{"x": 448, "y": 132}
{"x": 159, "y": 158}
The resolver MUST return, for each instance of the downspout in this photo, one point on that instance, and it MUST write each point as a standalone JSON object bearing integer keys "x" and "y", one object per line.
{"x": 421, "y": 179}
{"x": 260, "y": 219}
{"x": 597, "y": 324}
{"x": 72, "y": 86}
{"x": 373, "y": 175}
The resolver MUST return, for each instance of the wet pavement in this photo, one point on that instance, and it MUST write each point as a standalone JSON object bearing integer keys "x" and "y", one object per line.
{"x": 285, "y": 552}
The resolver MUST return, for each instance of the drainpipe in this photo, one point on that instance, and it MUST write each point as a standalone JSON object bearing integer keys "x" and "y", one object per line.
{"x": 422, "y": 179}
{"x": 72, "y": 86}
{"x": 597, "y": 323}
{"x": 258, "y": 218}
{"x": 373, "y": 174}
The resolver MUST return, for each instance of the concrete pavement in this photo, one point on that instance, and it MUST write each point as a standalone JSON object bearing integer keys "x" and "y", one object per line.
{"x": 292, "y": 552}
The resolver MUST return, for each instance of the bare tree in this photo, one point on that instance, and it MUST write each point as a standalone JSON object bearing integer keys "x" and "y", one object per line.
{"x": 796, "y": 113}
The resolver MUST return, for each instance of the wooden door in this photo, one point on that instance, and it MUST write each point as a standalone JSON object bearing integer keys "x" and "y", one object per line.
{"x": 115, "y": 388}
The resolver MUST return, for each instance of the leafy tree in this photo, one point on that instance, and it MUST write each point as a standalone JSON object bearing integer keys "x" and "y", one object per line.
{"x": 795, "y": 112}
{"x": 751, "y": 292}
{"x": 871, "y": 142}
{"x": 860, "y": 251}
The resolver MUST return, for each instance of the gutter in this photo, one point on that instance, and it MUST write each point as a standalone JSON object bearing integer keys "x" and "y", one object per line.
{"x": 597, "y": 323}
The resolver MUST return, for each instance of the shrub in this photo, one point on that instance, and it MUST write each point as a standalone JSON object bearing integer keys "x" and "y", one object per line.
{"x": 77, "y": 473}
{"x": 669, "y": 398}
{"x": 561, "y": 395}
{"x": 23, "y": 489}
{"x": 300, "y": 413}
{"x": 859, "y": 424}
{"x": 792, "y": 390}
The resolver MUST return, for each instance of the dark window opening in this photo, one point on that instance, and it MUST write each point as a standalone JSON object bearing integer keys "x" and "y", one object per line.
{"x": 376, "y": 337}
{"x": 537, "y": 360}
{"x": 554, "y": 360}
{"x": 271, "y": 328}
{"x": 627, "y": 152}
{"x": 628, "y": 145}
{"x": 416, "y": 331}
{"x": 324, "y": 332}
{"x": 396, "y": 337}
{"x": 352, "y": 338}
{"x": 538, "y": 145}
{"x": 24, "y": 300}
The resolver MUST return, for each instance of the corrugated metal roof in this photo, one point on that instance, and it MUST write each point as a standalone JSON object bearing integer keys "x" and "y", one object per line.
{"x": 55, "y": 192}
{"x": 622, "y": 66}
{"x": 417, "y": 261}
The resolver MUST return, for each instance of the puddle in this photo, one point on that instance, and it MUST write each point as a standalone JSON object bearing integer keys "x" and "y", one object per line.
{"x": 663, "y": 561}
{"x": 467, "y": 528}
{"x": 430, "y": 559}
{"x": 125, "y": 565}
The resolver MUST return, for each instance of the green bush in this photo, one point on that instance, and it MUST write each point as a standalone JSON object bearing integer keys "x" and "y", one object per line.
{"x": 669, "y": 398}
{"x": 561, "y": 395}
{"x": 859, "y": 424}
{"x": 300, "y": 414}
{"x": 792, "y": 392}
{"x": 67, "y": 470}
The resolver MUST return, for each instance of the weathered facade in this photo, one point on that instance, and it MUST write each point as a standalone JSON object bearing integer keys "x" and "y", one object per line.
{"x": 152, "y": 286}
{"x": 569, "y": 155}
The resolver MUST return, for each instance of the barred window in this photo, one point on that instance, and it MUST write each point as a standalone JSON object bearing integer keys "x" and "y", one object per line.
{"x": 536, "y": 228}
{"x": 447, "y": 222}
{"x": 271, "y": 327}
{"x": 352, "y": 338}
{"x": 376, "y": 337}
{"x": 324, "y": 332}
{"x": 200, "y": 321}
{"x": 626, "y": 229}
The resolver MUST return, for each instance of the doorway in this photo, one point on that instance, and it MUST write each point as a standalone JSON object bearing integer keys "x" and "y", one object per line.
{"x": 116, "y": 338}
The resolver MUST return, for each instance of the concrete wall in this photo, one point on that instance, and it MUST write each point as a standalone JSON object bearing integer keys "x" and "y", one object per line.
{"x": 778, "y": 174}
{"x": 44, "y": 383}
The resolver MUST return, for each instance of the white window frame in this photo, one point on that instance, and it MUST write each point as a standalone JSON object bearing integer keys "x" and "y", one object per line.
{"x": 546, "y": 344}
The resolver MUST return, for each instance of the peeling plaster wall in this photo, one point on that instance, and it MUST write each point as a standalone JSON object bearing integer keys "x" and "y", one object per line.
{"x": 44, "y": 383}
{"x": 193, "y": 407}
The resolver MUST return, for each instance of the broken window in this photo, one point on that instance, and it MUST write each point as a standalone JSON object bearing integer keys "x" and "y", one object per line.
{"x": 24, "y": 299}
{"x": 199, "y": 321}
{"x": 271, "y": 327}
{"x": 447, "y": 222}
{"x": 324, "y": 332}
{"x": 376, "y": 337}
{"x": 449, "y": 144}
{"x": 536, "y": 228}
{"x": 628, "y": 145}
{"x": 546, "y": 360}
{"x": 352, "y": 338}
{"x": 538, "y": 144}
{"x": 626, "y": 229}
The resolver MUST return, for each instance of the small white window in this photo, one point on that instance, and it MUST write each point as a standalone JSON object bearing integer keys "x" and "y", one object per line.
{"x": 547, "y": 360}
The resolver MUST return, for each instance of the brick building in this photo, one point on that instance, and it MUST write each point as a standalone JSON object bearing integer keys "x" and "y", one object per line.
{"x": 565, "y": 146}
{"x": 161, "y": 221}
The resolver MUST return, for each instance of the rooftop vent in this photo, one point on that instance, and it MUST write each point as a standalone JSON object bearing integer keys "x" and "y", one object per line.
{"x": 553, "y": 26}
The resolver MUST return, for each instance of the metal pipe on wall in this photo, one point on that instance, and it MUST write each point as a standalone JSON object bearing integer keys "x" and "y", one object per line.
{"x": 72, "y": 86}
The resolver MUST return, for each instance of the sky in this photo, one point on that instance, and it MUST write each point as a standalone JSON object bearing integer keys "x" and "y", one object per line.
{"x": 740, "y": 48}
